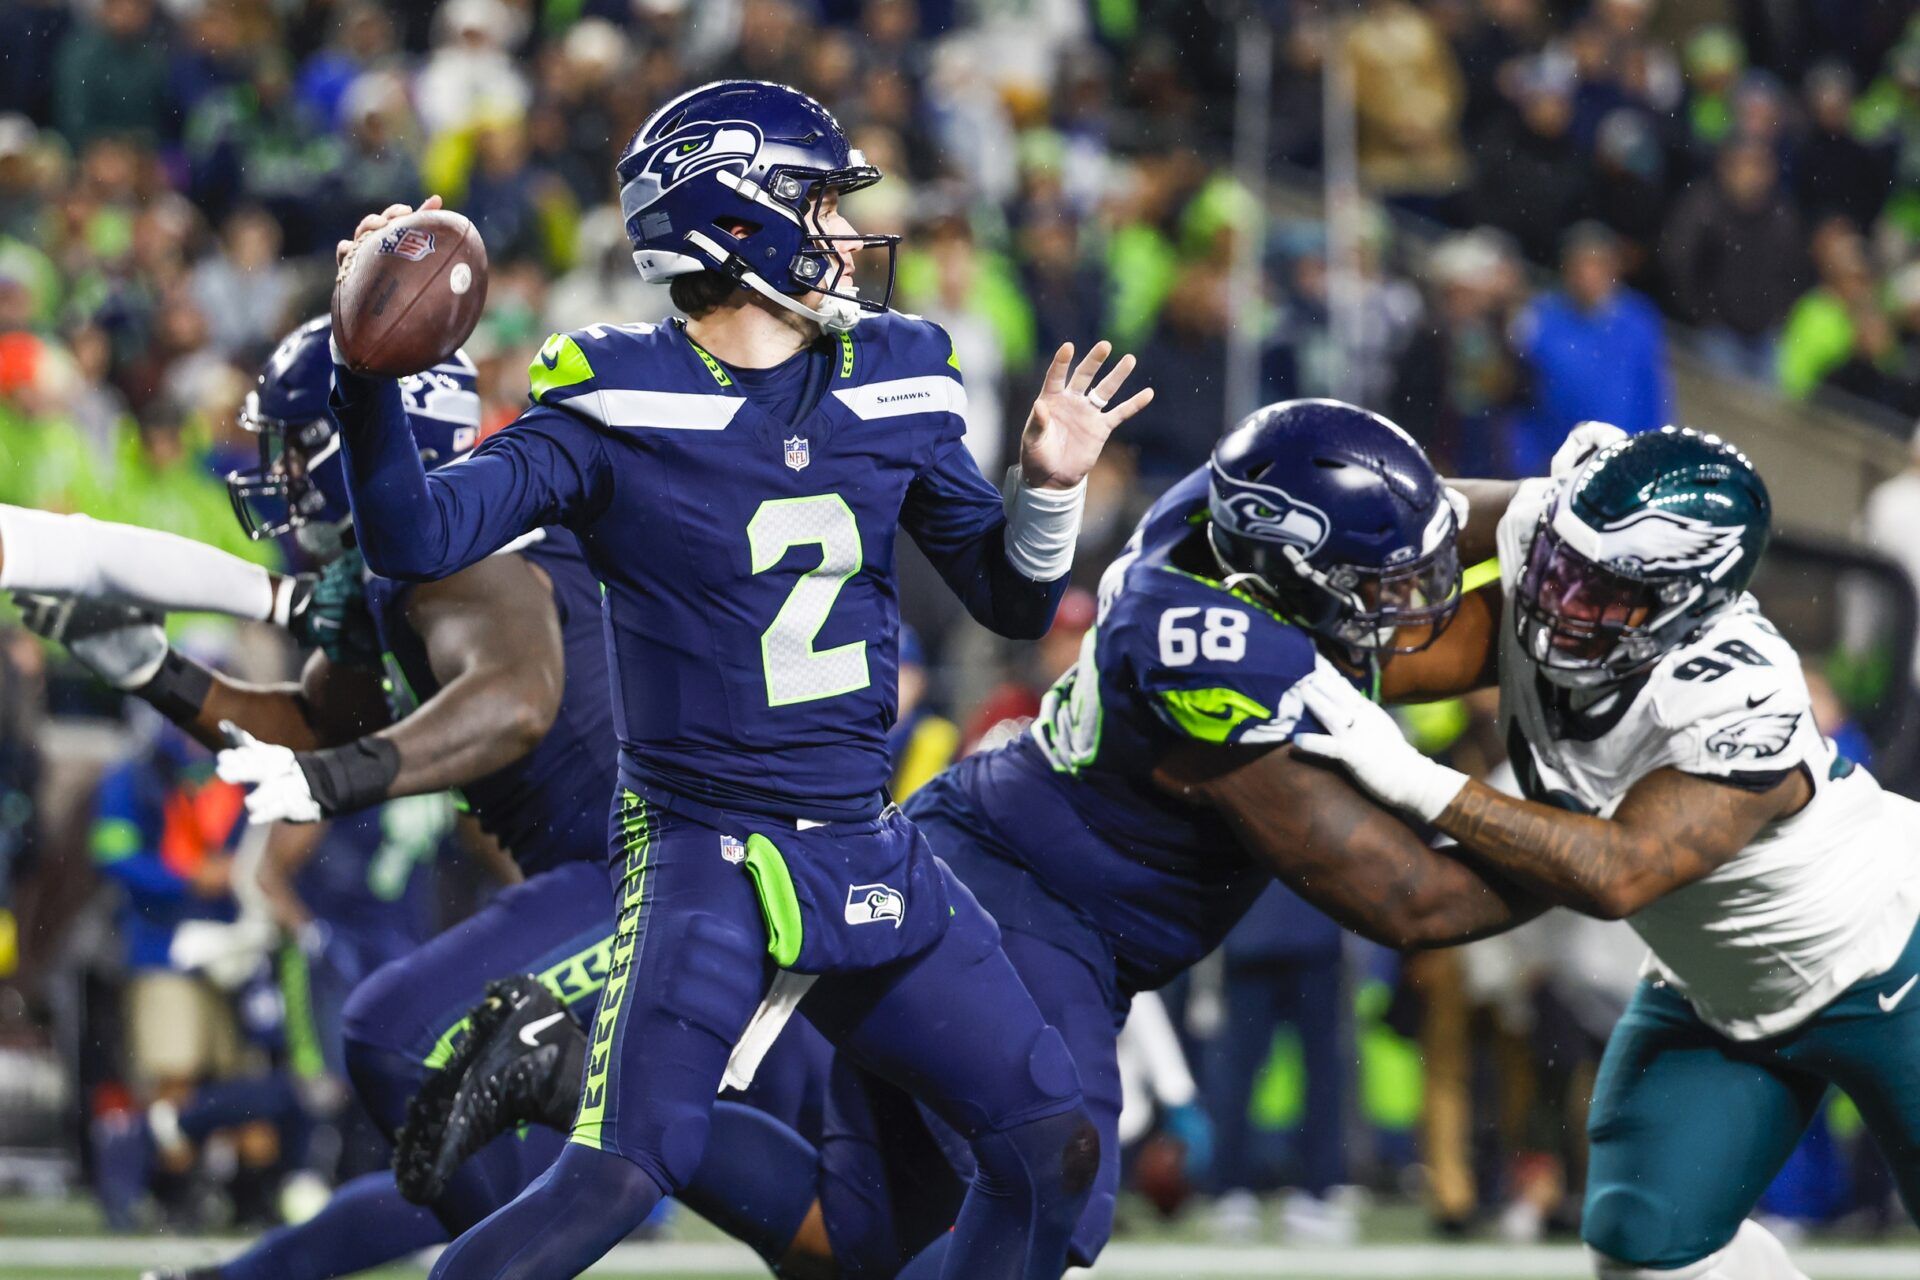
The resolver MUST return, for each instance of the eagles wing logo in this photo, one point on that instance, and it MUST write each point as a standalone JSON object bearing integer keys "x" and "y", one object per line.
{"x": 1756, "y": 736}
{"x": 687, "y": 153}
{"x": 1661, "y": 540}
{"x": 1263, "y": 511}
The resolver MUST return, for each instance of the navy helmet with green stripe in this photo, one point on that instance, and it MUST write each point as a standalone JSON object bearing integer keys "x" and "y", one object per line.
{"x": 300, "y": 484}
{"x": 1650, "y": 541}
{"x": 1335, "y": 516}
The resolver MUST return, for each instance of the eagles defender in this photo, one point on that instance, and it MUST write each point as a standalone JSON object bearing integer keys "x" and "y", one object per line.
{"x": 736, "y": 482}
{"x": 1674, "y": 777}
{"x": 501, "y": 673}
{"x": 1157, "y": 793}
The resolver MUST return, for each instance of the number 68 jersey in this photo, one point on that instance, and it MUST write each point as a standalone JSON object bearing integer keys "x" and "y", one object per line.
{"x": 1818, "y": 901}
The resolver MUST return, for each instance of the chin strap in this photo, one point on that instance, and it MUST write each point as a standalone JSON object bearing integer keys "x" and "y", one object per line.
{"x": 835, "y": 314}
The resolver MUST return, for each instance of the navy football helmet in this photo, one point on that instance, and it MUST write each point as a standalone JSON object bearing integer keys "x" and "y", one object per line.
{"x": 1335, "y": 516}
{"x": 728, "y": 178}
{"x": 300, "y": 486}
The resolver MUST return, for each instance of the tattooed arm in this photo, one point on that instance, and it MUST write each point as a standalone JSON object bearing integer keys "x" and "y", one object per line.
{"x": 1670, "y": 830}
{"x": 1354, "y": 860}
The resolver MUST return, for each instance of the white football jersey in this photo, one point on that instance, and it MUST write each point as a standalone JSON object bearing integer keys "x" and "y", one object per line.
{"x": 1817, "y": 901}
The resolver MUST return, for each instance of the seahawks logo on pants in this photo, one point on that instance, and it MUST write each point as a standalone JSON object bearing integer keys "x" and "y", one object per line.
{"x": 871, "y": 903}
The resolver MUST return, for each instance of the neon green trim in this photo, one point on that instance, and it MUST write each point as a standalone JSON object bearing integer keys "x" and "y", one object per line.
{"x": 714, "y": 367}
{"x": 953, "y": 355}
{"x": 1238, "y": 593}
{"x": 115, "y": 840}
{"x": 560, "y": 364}
{"x": 778, "y": 902}
{"x": 846, "y": 354}
{"x": 1212, "y": 715}
{"x": 303, "y": 1034}
{"x": 571, "y": 981}
{"x": 612, "y": 1014}
{"x": 1480, "y": 575}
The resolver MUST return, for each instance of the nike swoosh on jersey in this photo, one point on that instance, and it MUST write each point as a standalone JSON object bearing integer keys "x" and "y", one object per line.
{"x": 1753, "y": 702}
{"x": 1888, "y": 1003}
{"x": 530, "y": 1034}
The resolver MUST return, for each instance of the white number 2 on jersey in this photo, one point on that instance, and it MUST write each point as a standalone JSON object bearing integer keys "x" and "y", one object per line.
{"x": 795, "y": 670}
{"x": 1221, "y": 638}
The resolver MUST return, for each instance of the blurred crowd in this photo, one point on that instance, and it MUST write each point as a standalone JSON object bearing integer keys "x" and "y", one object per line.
{"x": 1550, "y": 185}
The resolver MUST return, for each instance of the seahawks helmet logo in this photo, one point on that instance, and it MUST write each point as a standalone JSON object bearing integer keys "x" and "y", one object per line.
{"x": 1656, "y": 541}
{"x": 1268, "y": 512}
{"x": 1756, "y": 736}
{"x": 685, "y": 154}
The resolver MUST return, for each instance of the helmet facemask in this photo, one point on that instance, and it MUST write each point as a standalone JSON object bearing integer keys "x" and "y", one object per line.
{"x": 281, "y": 496}
{"x": 1588, "y": 625}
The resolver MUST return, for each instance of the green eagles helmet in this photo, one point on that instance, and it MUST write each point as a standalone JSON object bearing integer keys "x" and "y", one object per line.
{"x": 1651, "y": 539}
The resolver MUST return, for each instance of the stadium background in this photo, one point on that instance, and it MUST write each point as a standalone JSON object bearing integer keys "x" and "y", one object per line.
{"x": 1487, "y": 218}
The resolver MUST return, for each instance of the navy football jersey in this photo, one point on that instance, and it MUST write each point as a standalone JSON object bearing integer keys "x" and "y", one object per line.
{"x": 751, "y": 602}
{"x": 549, "y": 806}
{"x": 1174, "y": 656}
{"x": 370, "y": 874}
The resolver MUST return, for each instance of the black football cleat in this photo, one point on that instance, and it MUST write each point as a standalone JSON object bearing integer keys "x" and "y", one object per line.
{"x": 519, "y": 1063}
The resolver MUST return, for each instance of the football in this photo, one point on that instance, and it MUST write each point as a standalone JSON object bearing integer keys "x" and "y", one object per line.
{"x": 410, "y": 293}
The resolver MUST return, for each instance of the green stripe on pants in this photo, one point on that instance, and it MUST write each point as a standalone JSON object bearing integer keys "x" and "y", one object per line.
{"x": 636, "y": 837}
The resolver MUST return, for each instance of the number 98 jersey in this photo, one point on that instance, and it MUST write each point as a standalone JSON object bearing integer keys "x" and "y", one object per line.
{"x": 1817, "y": 901}
{"x": 1174, "y": 657}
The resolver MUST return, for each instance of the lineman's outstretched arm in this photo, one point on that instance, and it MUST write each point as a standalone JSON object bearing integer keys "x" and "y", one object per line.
{"x": 1354, "y": 860}
{"x": 1671, "y": 829}
{"x": 80, "y": 556}
{"x": 492, "y": 637}
{"x": 127, "y": 648}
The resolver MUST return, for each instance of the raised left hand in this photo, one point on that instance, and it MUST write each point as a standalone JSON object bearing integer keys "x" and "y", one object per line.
{"x": 1365, "y": 738}
{"x": 1072, "y": 418}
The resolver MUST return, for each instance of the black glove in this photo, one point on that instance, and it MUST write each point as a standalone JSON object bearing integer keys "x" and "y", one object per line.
{"x": 329, "y": 613}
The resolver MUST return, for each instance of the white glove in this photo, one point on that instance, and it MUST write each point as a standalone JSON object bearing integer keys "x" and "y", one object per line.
{"x": 122, "y": 645}
{"x": 280, "y": 792}
{"x": 1585, "y": 440}
{"x": 1366, "y": 739}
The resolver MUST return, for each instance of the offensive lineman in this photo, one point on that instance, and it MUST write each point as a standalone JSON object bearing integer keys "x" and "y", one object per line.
{"x": 736, "y": 483}
{"x": 1674, "y": 777}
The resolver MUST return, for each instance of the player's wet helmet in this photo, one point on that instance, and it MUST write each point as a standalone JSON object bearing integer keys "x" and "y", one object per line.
{"x": 1335, "y": 516}
{"x": 727, "y": 178}
{"x": 1651, "y": 539}
{"x": 300, "y": 484}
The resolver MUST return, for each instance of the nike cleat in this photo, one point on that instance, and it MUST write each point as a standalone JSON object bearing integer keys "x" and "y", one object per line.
{"x": 519, "y": 1063}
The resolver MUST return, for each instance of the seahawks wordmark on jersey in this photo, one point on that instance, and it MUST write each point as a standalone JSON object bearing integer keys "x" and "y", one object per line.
{"x": 1819, "y": 900}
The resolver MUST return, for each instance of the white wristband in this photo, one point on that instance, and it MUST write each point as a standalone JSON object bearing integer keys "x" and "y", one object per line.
{"x": 77, "y": 555}
{"x": 1042, "y": 527}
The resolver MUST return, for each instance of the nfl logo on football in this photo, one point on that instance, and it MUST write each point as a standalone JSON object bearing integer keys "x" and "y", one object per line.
{"x": 410, "y": 243}
{"x": 732, "y": 850}
{"x": 797, "y": 455}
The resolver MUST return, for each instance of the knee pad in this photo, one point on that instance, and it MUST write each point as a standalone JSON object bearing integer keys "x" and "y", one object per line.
{"x": 1051, "y": 1160}
{"x": 1627, "y": 1227}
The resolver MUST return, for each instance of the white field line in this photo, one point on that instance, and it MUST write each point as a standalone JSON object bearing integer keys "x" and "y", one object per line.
{"x": 1158, "y": 1261}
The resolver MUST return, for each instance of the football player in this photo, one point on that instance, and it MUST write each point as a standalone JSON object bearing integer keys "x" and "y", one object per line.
{"x": 1674, "y": 777}
{"x": 736, "y": 481}
{"x": 1157, "y": 794}
{"x": 500, "y": 678}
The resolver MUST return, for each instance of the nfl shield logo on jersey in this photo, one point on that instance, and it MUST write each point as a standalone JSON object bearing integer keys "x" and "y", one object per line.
{"x": 732, "y": 850}
{"x": 798, "y": 455}
{"x": 871, "y": 903}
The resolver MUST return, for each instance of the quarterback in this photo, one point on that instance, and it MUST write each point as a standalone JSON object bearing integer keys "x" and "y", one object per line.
{"x": 736, "y": 482}
{"x": 1674, "y": 777}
